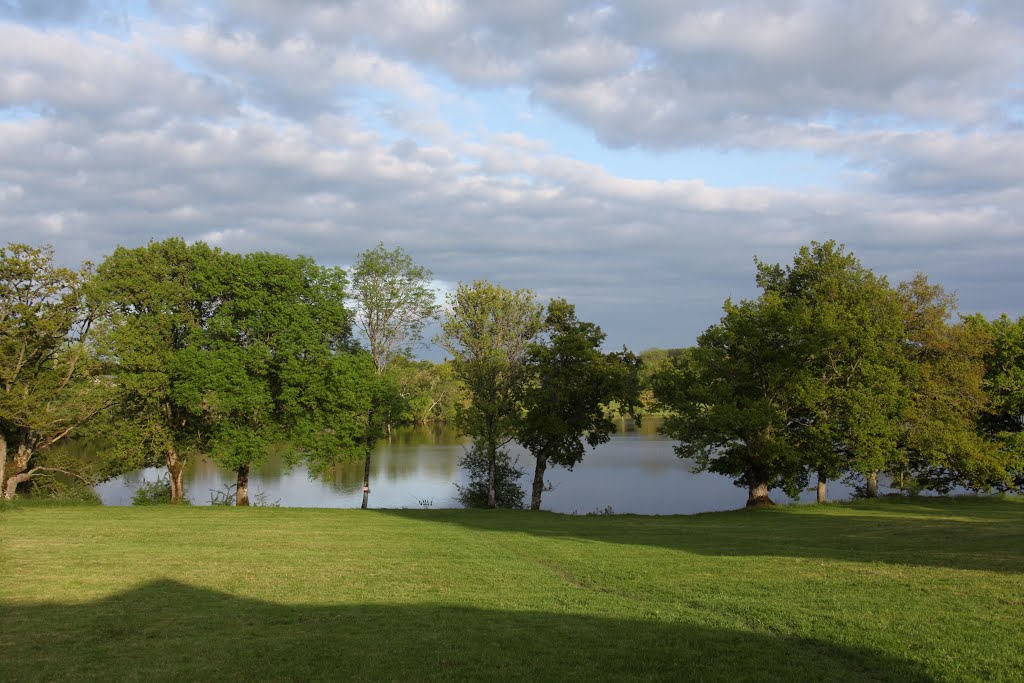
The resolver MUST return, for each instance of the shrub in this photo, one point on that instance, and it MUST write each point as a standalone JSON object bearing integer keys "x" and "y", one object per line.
{"x": 508, "y": 493}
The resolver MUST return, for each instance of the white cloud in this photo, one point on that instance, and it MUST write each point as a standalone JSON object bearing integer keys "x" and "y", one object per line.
{"x": 248, "y": 124}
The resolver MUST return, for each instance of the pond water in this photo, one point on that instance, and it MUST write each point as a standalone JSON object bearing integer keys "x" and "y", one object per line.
{"x": 636, "y": 472}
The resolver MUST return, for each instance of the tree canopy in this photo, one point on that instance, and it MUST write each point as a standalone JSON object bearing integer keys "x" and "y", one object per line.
{"x": 50, "y": 382}
{"x": 488, "y": 331}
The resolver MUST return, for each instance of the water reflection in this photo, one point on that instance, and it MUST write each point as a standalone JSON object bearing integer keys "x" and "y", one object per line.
{"x": 636, "y": 472}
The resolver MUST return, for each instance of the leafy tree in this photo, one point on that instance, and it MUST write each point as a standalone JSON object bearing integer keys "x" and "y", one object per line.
{"x": 571, "y": 383}
{"x": 1004, "y": 382}
{"x": 845, "y": 325}
{"x": 50, "y": 381}
{"x": 277, "y": 329}
{"x": 428, "y": 392}
{"x": 394, "y": 302}
{"x": 730, "y": 400}
{"x": 488, "y": 331}
{"x": 942, "y": 445}
{"x": 156, "y": 301}
{"x": 477, "y": 491}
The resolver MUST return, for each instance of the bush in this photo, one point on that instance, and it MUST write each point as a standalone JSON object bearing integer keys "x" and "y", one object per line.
{"x": 508, "y": 493}
{"x": 64, "y": 491}
{"x": 155, "y": 493}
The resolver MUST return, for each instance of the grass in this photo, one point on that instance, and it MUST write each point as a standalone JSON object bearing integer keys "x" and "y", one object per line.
{"x": 886, "y": 590}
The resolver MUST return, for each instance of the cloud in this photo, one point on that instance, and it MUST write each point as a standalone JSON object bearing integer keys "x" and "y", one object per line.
{"x": 319, "y": 128}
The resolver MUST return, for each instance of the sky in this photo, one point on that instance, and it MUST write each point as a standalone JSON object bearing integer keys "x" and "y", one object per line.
{"x": 631, "y": 156}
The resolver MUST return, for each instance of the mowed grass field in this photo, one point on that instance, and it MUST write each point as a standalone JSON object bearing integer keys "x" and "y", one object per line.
{"x": 907, "y": 590}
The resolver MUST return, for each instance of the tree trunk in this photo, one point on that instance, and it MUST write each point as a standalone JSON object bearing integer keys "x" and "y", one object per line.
{"x": 492, "y": 497}
{"x": 822, "y": 488}
{"x": 758, "y": 495}
{"x": 17, "y": 475}
{"x": 176, "y": 475}
{"x": 242, "y": 487}
{"x": 366, "y": 481}
{"x": 872, "y": 490}
{"x": 3, "y": 465}
{"x": 538, "y": 481}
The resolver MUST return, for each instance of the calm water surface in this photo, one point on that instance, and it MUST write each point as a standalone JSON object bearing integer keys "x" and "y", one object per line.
{"x": 636, "y": 472}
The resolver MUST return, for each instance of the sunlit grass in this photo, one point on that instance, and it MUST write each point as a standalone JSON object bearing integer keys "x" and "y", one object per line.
{"x": 887, "y": 590}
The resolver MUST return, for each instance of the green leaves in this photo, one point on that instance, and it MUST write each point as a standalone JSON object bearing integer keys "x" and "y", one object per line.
{"x": 393, "y": 302}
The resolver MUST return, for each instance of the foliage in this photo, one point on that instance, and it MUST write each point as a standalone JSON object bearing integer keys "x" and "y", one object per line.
{"x": 476, "y": 493}
{"x": 844, "y": 327}
{"x": 393, "y": 300}
{"x": 156, "y": 300}
{"x": 280, "y": 323}
{"x": 942, "y": 444}
{"x": 427, "y": 391}
{"x": 731, "y": 399}
{"x": 570, "y": 384}
{"x": 653, "y": 361}
{"x": 1003, "y": 420}
{"x": 488, "y": 331}
{"x": 50, "y": 382}
{"x": 156, "y": 492}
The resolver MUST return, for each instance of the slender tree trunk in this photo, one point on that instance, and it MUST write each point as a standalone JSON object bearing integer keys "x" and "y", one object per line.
{"x": 872, "y": 490}
{"x": 492, "y": 497}
{"x": 242, "y": 487}
{"x": 366, "y": 481}
{"x": 822, "y": 488}
{"x": 758, "y": 495}
{"x": 538, "y": 481}
{"x": 176, "y": 475}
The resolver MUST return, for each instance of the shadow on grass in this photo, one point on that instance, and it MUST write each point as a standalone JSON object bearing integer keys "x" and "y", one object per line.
{"x": 170, "y": 631}
{"x": 982, "y": 534}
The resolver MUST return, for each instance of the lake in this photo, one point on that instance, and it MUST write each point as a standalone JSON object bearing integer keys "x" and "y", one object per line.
{"x": 636, "y": 472}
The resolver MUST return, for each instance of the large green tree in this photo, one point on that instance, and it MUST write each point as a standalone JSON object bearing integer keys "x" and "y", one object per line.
{"x": 1003, "y": 420}
{"x": 571, "y": 383}
{"x": 845, "y": 325}
{"x": 731, "y": 399}
{"x": 156, "y": 302}
{"x": 394, "y": 302}
{"x": 279, "y": 329}
{"x": 50, "y": 382}
{"x": 942, "y": 445}
{"x": 488, "y": 331}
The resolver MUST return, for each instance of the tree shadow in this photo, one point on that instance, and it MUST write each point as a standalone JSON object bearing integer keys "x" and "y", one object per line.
{"x": 166, "y": 630}
{"x": 959, "y": 533}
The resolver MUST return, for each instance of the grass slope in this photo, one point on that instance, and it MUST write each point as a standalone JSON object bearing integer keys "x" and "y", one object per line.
{"x": 887, "y": 590}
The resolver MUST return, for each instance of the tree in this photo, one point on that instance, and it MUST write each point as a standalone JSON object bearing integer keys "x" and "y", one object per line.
{"x": 428, "y": 392}
{"x": 488, "y": 330}
{"x": 50, "y": 381}
{"x": 571, "y": 382}
{"x": 279, "y": 325}
{"x": 156, "y": 301}
{"x": 1003, "y": 420}
{"x": 942, "y": 445}
{"x": 393, "y": 304}
{"x": 729, "y": 401}
{"x": 845, "y": 325}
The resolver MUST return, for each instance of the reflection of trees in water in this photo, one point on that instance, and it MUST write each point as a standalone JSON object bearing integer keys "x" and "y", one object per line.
{"x": 393, "y": 462}
{"x": 648, "y": 426}
{"x": 434, "y": 434}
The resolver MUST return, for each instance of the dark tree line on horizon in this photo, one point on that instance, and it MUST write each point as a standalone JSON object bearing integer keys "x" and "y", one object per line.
{"x": 172, "y": 351}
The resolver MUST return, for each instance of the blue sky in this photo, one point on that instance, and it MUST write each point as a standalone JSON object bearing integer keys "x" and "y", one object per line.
{"x": 632, "y": 157}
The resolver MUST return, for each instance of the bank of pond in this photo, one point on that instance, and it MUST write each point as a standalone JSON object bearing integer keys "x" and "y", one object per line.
{"x": 636, "y": 472}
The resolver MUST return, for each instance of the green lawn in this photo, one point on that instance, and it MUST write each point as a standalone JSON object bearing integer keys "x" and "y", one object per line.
{"x": 887, "y": 590}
